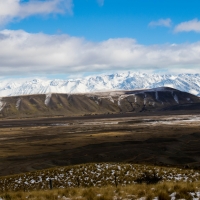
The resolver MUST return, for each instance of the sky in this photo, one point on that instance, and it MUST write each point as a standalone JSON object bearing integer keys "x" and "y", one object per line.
{"x": 75, "y": 38}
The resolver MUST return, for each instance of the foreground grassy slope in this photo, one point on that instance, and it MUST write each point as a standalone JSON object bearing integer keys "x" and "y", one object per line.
{"x": 92, "y": 175}
{"x": 161, "y": 191}
{"x": 104, "y": 181}
{"x": 94, "y": 103}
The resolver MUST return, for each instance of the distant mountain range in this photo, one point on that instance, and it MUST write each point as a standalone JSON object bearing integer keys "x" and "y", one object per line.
{"x": 118, "y": 81}
{"x": 115, "y": 102}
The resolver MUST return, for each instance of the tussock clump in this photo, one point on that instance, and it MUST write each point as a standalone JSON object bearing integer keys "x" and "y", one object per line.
{"x": 149, "y": 178}
{"x": 163, "y": 196}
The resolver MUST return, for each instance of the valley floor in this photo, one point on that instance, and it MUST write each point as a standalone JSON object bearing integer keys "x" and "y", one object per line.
{"x": 35, "y": 144}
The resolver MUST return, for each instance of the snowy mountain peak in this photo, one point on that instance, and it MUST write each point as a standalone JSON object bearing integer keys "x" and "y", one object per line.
{"x": 117, "y": 81}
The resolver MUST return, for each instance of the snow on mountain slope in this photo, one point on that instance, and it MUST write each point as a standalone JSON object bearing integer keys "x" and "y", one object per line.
{"x": 118, "y": 81}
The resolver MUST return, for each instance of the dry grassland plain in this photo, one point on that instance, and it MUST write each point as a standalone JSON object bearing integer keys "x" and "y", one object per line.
{"x": 35, "y": 144}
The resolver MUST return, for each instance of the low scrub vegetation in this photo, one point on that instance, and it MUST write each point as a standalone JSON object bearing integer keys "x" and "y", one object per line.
{"x": 96, "y": 175}
{"x": 103, "y": 181}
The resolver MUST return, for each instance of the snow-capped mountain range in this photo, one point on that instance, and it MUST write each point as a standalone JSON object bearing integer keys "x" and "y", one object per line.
{"x": 117, "y": 81}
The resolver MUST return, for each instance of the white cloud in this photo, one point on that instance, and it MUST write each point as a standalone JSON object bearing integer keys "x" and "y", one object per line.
{"x": 16, "y": 9}
{"x": 161, "y": 22}
{"x": 100, "y": 2}
{"x": 24, "y": 53}
{"x": 192, "y": 25}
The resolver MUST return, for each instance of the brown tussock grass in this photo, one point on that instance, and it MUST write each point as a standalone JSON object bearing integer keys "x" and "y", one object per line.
{"x": 160, "y": 190}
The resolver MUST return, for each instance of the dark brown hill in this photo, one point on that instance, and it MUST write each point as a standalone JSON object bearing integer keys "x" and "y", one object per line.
{"x": 150, "y": 100}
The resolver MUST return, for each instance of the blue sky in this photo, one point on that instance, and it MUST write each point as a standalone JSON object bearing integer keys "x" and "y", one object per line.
{"x": 79, "y": 37}
{"x": 117, "y": 19}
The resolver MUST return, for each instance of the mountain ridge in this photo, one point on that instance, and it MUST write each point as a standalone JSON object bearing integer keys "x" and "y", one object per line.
{"x": 96, "y": 103}
{"x": 117, "y": 81}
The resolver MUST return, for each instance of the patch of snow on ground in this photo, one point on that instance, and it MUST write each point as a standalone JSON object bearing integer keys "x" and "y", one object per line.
{"x": 47, "y": 100}
{"x": 119, "y": 99}
{"x": 170, "y": 121}
{"x": 111, "y": 99}
{"x": 176, "y": 98}
{"x": 18, "y": 103}
{"x": 157, "y": 98}
{"x": 111, "y": 123}
{"x": 123, "y": 97}
{"x": 193, "y": 92}
{"x": 2, "y": 104}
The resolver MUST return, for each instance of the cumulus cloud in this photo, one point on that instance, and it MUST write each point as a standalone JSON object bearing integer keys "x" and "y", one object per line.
{"x": 161, "y": 22}
{"x": 25, "y": 53}
{"x": 16, "y": 9}
{"x": 192, "y": 25}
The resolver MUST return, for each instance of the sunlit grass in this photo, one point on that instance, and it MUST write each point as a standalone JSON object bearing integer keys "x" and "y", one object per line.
{"x": 162, "y": 190}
